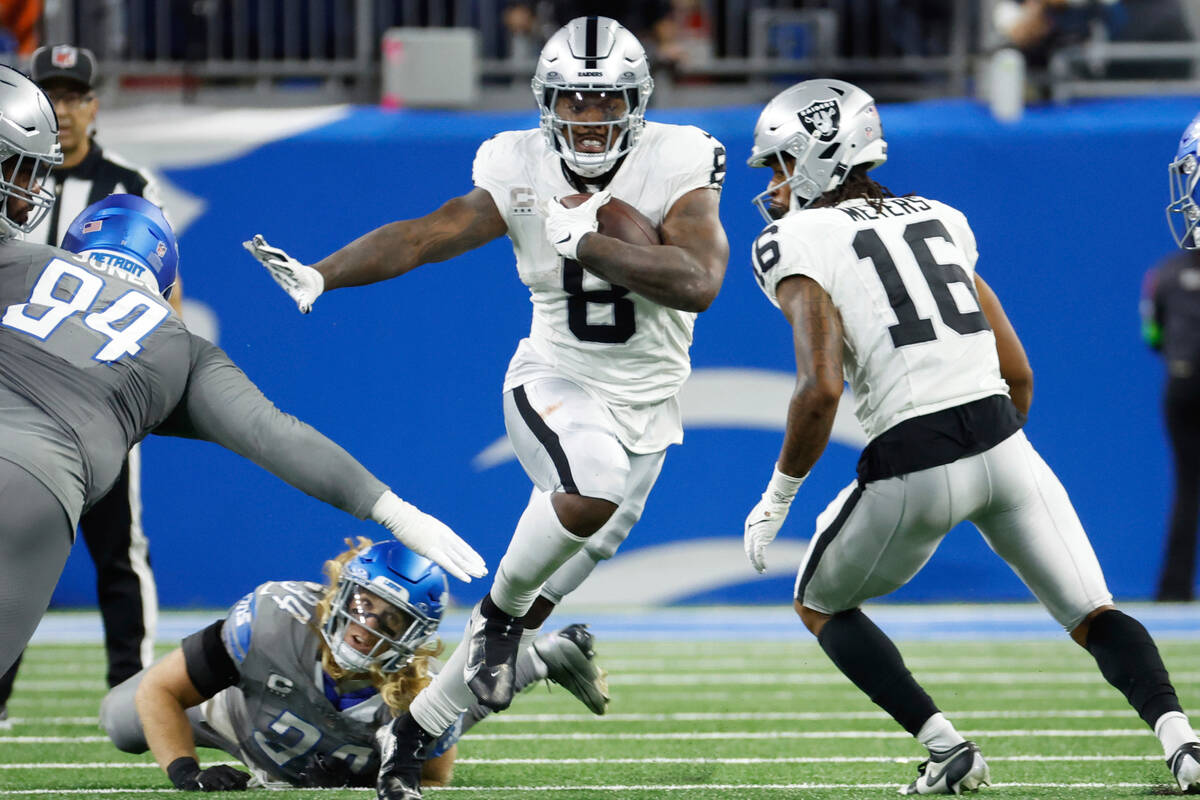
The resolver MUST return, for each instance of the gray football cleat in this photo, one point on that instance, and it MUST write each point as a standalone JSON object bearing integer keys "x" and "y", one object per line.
{"x": 570, "y": 662}
{"x": 5, "y": 723}
{"x": 954, "y": 771}
{"x": 1184, "y": 764}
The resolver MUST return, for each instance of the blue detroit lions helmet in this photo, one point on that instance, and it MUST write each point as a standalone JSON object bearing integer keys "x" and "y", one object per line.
{"x": 388, "y": 599}
{"x": 1183, "y": 213}
{"x": 129, "y": 232}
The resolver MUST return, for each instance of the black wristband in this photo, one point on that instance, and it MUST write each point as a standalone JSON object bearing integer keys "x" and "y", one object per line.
{"x": 183, "y": 771}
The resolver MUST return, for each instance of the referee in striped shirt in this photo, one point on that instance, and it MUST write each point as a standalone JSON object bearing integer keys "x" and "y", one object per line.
{"x": 112, "y": 528}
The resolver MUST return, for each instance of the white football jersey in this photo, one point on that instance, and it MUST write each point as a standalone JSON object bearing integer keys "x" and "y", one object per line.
{"x": 903, "y": 280}
{"x": 625, "y": 349}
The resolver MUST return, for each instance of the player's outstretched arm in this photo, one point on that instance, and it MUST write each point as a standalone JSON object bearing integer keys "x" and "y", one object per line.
{"x": 462, "y": 224}
{"x": 684, "y": 272}
{"x": 222, "y": 405}
{"x": 162, "y": 697}
{"x": 1014, "y": 364}
{"x": 817, "y": 335}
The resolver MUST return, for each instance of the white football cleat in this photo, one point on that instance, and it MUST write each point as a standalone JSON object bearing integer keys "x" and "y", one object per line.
{"x": 1184, "y": 764}
{"x": 954, "y": 771}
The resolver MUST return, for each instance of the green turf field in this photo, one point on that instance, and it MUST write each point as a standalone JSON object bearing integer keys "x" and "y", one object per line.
{"x": 692, "y": 720}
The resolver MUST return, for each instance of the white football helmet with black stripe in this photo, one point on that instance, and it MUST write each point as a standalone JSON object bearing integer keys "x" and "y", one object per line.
{"x": 826, "y": 126}
{"x": 29, "y": 148}
{"x": 591, "y": 55}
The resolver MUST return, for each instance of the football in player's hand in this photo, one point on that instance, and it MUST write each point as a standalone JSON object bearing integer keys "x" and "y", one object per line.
{"x": 620, "y": 220}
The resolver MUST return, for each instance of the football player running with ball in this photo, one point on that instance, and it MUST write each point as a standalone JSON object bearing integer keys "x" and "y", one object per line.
{"x": 883, "y": 290}
{"x": 590, "y": 396}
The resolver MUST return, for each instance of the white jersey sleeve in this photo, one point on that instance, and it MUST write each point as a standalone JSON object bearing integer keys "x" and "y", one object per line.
{"x": 777, "y": 255}
{"x": 902, "y": 276}
{"x": 695, "y": 160}
{"x": 497, "y": 170}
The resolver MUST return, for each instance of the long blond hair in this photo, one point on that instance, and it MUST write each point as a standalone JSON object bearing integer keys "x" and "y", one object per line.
{"x": 396, "y": 688}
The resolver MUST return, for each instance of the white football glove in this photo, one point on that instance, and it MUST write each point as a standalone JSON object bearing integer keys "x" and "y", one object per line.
{"x": 566, "y": 226}
{"x": 302, "y": 283}
{"x": 767, "y": 516}
{"x": 428, "y": 536}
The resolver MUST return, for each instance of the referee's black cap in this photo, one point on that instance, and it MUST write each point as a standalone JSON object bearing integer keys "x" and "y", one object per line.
{"x": 64, "y": 62}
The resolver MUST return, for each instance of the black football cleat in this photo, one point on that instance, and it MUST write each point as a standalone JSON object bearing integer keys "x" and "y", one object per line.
{"x": 403, "y": 745}
{"x": 491, "y": 669}
{"x": 569, "y": 655}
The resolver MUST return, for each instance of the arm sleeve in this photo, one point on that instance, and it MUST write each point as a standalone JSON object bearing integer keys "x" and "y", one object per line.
{"x": 222, "y": 405}
{"x": 208, "y": 663}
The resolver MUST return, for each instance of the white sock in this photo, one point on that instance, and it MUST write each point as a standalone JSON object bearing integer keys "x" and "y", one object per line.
{"x": 439, "y": 704}
{"x": 1173, "y": 730}
{"x": 539, "y": 546}
{"x": 938, "y": 733}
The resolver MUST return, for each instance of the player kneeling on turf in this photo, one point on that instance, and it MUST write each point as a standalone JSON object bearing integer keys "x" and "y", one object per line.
{"x": 296, "y": 680}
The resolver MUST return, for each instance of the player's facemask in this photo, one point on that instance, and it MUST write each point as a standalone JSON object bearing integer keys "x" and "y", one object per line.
{"x": 766, "y": 201}
{"x": 363, "y": 630}
{"x": 23, "y": 177}
{"x": 591, "y": 129}
{"x": 1183, "y": 212}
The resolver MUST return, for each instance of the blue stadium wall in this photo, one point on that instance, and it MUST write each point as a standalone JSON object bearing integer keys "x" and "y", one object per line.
{"x": 1067, "y": 206}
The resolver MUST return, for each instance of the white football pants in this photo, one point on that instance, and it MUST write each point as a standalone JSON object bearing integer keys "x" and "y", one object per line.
{"x": 565, "y": 441}
{"x": 872, "y": 539}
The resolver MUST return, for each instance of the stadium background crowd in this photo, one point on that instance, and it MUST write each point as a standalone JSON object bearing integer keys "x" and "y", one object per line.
{"x": 705, "y": 52}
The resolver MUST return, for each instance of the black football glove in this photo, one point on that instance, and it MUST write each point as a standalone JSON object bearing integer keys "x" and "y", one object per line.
{"x": 186, "y": 774}
{"x": 323, "y": 771}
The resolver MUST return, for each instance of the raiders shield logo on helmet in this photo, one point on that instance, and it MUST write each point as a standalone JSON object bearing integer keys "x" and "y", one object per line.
{"x": 821, "y": 119}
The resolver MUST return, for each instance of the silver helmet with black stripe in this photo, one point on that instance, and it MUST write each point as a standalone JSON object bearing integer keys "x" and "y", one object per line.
{"x": 29, "y": 148}
{"x": 595, "y": 63}
{"x": 826, "y": 127}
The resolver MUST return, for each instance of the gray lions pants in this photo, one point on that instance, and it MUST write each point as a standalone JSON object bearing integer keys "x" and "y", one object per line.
{"x": 35, "y": 538}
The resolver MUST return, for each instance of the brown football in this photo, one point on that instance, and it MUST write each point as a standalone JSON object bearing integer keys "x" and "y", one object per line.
{"x": 620, "y": 220}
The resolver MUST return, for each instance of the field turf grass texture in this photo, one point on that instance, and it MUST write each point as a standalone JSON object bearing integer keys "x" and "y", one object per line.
{"x": 737, "y": 720}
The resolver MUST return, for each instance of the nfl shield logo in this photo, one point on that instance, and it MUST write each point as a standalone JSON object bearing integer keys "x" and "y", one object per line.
{"x": 93, "y": 226}
{"x": 161, "y": 250}
{"x": 64, "y": 56}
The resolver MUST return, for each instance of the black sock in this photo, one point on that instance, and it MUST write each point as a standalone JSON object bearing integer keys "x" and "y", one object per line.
{"x": 1129, "y": 660}
{"x": 489, "y": 609}
{"x": 871, "y": 661}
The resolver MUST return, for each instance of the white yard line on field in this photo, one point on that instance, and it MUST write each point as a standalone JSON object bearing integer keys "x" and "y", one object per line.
{"x": 492, "y": 789}
{"x": 805, "y": 678}
{"x": 742, "y": 679}
{"x": 567, "y": 735}
{"x": 715, "y": 716}
{"x": 550, "y": 762}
